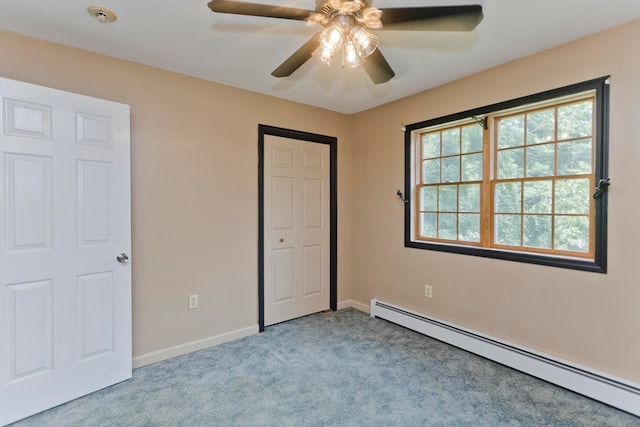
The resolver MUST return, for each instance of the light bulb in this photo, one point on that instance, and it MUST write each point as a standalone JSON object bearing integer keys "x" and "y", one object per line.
{"x": 335, "y": 35}
{"x": 326, "y": 54}
{"x": 332, "y": 35}
{"x": 350, "y": 56}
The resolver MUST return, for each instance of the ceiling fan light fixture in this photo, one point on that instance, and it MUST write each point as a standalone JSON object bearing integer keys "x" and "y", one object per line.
{"x": 345, "y": 33}
{"x": 371, "y": 18}
{"x": 317, "y": 18}
{"x": 346, "y": 6}
{"x": 365, "y": 42}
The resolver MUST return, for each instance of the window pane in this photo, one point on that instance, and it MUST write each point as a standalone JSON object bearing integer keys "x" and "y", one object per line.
{"x": 447, "y": 226}
{"x": 472, "y": 138}
{"x": 537, "y": 196}
{"x": 472, "y": 167}
{"x": 431, "y": 145}
{"x": 572, "y": 196}
{"x": 429, "y": 225}
{"x": 508, "y": 230}
{"x": 574, "y": 120}
{"x": 511, "y": 132}
{"x": 429, "y": 197}
{"x": 448, "y": 198}
{"x": 451, "y": 142}
{"x": 507, "y": 197}
{"x": 571, "y": 233}
{"x": 574, "y": 157}
{"x": 451, "y": 169}
{"x": 510, "y": 163}
{"x": 540, "y": 160}
{"x": 469, "y": 198}
{"x": 540, "y": 126}
{"x": 469, "y": 227}
{"x": 537, "y": 231}
{"x": 431, "y": 171}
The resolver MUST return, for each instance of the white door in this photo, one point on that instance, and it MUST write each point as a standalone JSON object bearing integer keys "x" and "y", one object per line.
{"x": 297, "y": 228}
{"x": 65, "y": 301}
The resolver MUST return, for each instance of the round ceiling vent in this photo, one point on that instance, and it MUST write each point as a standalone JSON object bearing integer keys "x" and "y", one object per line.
{"x": 102, "y": 14}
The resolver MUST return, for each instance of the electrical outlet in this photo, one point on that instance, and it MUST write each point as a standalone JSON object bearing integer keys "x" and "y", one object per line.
{"x": 193, "y": 301}
{"x": 428, "y": 291}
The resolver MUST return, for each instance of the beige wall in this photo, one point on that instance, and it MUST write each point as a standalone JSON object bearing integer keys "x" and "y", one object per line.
{"x": 588, "y": 318}
{"x": 194, "y": 185}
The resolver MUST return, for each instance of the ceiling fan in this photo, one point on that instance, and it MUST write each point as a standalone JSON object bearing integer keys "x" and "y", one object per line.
{"x": 346, "y": 27}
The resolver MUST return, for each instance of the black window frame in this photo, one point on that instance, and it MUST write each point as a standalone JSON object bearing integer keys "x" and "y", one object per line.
{"x": 601, "y": 165}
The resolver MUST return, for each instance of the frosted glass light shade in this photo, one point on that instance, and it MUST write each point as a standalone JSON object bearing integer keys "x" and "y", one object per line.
{"x": 365, "y": 42}
{"x": 331, "y": 40}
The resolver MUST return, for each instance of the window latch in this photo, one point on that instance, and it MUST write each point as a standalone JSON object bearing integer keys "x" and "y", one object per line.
{"x": 601, "y": 187}
{"x": 399, "y": 193}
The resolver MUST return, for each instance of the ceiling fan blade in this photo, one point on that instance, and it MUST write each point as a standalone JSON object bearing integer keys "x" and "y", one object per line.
{"x": 298, "y": 58}
{"x": 377, "y": 67}
{"x": 255, "y": 9}
{"x": 440, "y": 18}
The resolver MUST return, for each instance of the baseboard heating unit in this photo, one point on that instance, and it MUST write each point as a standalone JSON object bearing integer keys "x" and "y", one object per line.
{"x": 617, "y": 392}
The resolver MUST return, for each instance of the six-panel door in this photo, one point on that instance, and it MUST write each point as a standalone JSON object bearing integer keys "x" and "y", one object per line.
{"x": 297, "y": 228}
{"x": 65, "y": 301}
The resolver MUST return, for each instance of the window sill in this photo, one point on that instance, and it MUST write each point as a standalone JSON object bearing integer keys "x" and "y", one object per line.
{"x": 530, "y": 258}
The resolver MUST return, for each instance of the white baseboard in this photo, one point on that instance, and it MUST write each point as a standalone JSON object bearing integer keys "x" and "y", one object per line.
{"x": 614, "y": 391}
{"x": 178, "y": 350}
{"x": 188, "y": 347}
{"x": 353, "y": 304}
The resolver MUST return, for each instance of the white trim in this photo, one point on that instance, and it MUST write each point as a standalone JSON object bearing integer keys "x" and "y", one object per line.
{"x": 614, "y": 391}
{"x": 349, "y": 303}
{"x": 188, "y": 347}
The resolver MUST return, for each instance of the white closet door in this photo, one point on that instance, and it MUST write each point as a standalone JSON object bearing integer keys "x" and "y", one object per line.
{"x": 297, "y": 228}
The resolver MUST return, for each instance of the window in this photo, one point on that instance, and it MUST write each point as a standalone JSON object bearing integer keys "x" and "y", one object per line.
{"x": 513, "y": 180}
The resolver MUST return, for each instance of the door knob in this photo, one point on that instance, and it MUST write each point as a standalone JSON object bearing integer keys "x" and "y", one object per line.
{"x": 122, "y": 258}
{"x": 281, "y": 240}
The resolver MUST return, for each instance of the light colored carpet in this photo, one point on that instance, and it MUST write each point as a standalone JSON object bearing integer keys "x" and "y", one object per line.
{"x": 332, "y": 369}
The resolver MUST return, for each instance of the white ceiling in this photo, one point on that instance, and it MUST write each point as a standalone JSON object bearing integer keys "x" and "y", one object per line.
{"x": 186, "y": 37}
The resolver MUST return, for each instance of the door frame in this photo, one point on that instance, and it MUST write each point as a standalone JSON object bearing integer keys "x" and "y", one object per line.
{"x": 333, "y": 209}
